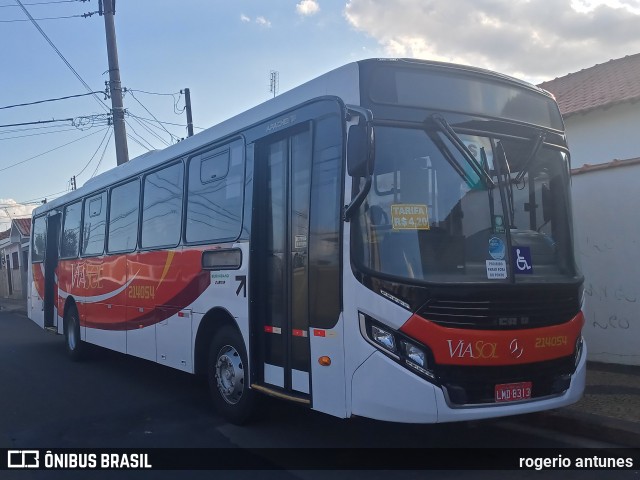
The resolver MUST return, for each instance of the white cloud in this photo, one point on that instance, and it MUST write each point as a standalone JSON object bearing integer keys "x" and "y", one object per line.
{"x": 532, "y": 39}
{"x": 307, "y": 7}
{"x": 263, "y": 21}
{"x": 9, "y": 209}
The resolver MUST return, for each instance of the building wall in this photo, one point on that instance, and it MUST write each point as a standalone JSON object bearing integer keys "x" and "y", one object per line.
{"x": 17, "y": 275}
{"x": 604, "y": 135}
{"x": 607, "y": 235}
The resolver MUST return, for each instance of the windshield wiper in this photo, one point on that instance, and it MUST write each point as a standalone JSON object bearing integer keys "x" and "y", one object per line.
{"x": 537, "y": 142}
{"x": 453, "y": 137}
{"x": 504, "y": 180}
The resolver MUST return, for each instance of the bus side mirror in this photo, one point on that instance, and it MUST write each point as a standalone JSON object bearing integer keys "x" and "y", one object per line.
{"x": 360, "y": 158}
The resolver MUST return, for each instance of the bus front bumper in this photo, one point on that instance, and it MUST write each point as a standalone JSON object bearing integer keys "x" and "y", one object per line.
{"x": 384, "y": 390}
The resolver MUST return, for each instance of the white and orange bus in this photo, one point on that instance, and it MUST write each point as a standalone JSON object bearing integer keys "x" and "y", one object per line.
{"x": 390, "y": 240}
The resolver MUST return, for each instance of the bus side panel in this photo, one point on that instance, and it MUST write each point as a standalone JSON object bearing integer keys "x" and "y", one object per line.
{"x": 36, "y": 291}
{"x": 328, "y": 382}
{"x": 229, "y": 291}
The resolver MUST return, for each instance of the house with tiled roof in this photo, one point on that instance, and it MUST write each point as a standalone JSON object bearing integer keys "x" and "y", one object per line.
{"x": 601, "y": 109}
{"x": 14, "y": 258}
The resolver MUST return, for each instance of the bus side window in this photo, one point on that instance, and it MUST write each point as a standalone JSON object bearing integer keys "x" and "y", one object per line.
{"x": 214, "y": 194}
{"x": 39, "y": 240}
{"x": 70, "y": 243}
{"x": 93, "y": 228}
{"x": 123, "y": 217}
{"x": 162, "y": 207}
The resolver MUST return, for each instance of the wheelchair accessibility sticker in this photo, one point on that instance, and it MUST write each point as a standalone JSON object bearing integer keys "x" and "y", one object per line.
{"x": 521, "y": 257}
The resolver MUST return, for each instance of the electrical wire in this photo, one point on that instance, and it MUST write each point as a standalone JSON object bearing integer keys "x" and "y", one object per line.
{"x": 109, "y": 130}
{"x": 39, "y": 133}
{"x": 103, "y": 152}
{"x": 46, "y": 3}
{"x": 84, "y": 15}
{"x": 48, "y": 151}
{"x": 173, "y": 95}
{"x": 60, "y": 55}
{"x": 147, "y": 110}
{"x": 48, "y": 100}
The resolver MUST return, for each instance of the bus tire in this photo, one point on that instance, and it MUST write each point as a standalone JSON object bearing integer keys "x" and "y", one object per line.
{"x": 228, "y": 377}
{"x": 75, "y": 346}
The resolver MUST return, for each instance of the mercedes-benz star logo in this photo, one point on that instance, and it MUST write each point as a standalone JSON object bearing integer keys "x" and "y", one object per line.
{"x": 515, "y": 348}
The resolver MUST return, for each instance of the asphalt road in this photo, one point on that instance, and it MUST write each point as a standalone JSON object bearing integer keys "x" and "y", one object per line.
{"x": 115, "y": 401}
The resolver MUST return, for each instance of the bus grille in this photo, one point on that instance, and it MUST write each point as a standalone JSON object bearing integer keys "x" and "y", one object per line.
{"x": 504, "y": 313}
{"x": 476, "y": 385}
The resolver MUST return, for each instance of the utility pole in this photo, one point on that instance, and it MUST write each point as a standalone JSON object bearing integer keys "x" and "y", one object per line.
{"x": 115, "y": 87}
{"x": 187, "y": 103}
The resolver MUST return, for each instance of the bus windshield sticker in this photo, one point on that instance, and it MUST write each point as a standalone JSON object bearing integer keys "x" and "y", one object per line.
{"x": 409, "y": 217}
{"x": 496, "y": 269}
{"x": 521, "y": 257}
{"x": 498, "y": 224}
{"x": 497, "y": 248}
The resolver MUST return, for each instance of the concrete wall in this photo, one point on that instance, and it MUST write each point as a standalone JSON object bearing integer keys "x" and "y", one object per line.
{"x": 606, "y": 205}
{"x": 601, "y": 136}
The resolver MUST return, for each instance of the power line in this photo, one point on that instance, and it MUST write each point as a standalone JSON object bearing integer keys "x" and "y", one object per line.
{"x": 94, "y": 153}
{"x": 60, "y": 55}
{"x": 103, "y": 152}
{"x": 48, "y": 151}
{"x": 173, "y": 95}
{"x": 48, "y": 100}
{"x": 78, "y": 122}
{"x": 147, "y": 110}
{"x": 39, "y": 133}
{"x": 165, "y": 123}
{"x": 36, "y": 123}
{"x": 46, "y": 3}
{"x": 84, "y": 15}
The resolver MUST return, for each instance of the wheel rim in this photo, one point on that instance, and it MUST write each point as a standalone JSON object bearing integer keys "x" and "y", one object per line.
{"x": 72, "y": 339}
{"x": 230, "y": 374}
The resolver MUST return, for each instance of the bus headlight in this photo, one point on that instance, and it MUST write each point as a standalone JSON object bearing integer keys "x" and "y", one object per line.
{"x": 383, "y": 337}
{"x": 399, "y": 347}
{"x": 415, "y": 354}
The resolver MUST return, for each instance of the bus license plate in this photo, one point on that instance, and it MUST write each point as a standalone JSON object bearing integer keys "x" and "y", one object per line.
{"x": 513, "y": 392}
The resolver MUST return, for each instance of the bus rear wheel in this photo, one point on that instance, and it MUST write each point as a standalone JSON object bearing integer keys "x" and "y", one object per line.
{"x": 229, "y": 378}
{"x": 75, "y": 346}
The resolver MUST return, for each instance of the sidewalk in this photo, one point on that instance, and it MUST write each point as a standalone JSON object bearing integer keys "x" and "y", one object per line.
{"x": 609, "y": 410}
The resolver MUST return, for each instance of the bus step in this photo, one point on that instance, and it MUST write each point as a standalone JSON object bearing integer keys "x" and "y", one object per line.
{"x": 276, "y": 393}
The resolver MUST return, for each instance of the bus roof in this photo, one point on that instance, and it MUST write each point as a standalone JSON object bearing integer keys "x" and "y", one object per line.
{"x": 342, "y": 82}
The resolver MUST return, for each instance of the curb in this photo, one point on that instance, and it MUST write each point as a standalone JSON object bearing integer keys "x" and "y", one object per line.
{"x": 591, "y": 425}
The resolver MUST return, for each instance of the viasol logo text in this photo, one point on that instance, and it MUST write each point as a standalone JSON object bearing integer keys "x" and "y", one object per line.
{"x": 478, "y": 349}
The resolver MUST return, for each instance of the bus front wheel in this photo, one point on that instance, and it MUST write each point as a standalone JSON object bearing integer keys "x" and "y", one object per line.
{"x": 75, "y": 346}
{"x": 229, "y": 378}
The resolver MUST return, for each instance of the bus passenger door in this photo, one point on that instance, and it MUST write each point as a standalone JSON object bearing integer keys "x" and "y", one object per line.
{"x": 50, "y": 266}
{"x": 279, "y": 266}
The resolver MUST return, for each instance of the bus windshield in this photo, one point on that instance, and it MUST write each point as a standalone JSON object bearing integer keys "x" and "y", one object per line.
{"x": 433, "y": 216}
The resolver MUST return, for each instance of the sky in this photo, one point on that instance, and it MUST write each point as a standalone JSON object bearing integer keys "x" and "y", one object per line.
{"x": 225, "y": 50}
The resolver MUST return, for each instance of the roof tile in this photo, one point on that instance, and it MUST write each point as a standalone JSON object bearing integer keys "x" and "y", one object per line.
{"x": 600, "y": 86}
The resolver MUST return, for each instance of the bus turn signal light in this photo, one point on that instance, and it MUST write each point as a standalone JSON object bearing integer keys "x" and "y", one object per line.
{"x": 324, "y": 361}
